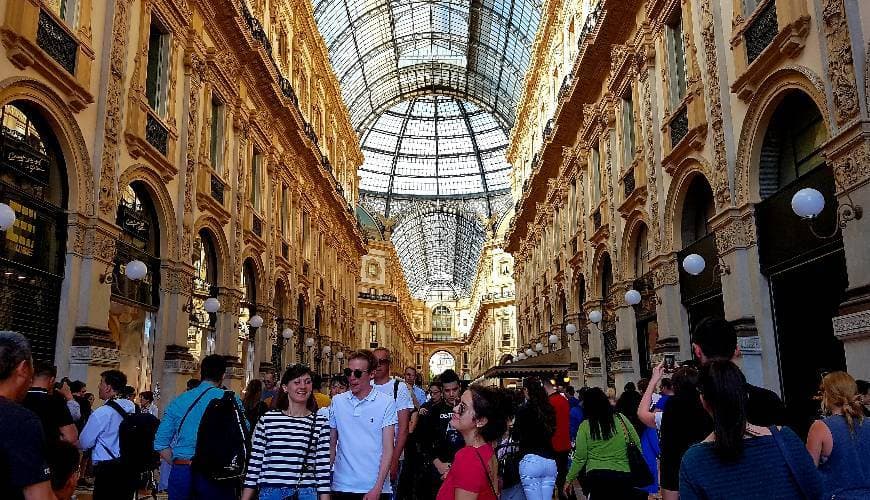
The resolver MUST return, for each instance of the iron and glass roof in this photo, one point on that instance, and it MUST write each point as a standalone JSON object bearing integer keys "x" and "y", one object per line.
{"x": 432, "y": 89}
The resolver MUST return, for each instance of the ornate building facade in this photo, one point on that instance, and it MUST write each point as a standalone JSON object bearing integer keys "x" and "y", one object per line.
{"x": 206, "y": 140}
{"x": 674, "y": 128}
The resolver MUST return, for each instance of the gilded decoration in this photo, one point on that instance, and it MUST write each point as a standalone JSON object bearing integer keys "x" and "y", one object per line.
{"x": 114, "y": 90}
{"x": 841, "y": 67}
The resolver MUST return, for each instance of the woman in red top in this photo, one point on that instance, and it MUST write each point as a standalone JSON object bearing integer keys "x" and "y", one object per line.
{"x": 480, "y": 418}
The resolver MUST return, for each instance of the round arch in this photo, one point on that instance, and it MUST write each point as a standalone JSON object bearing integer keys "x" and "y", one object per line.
{"x": 210, "y": 225}
{"x": 80, "y": 180}
{"x": 602, "y": 254}
{"x": 636, "y": 227}
{"x": 259, "y": 272}
{"x": 672, "y": 240}
{"x": 760, "y": 111}
{"x": 441, "y": 360}
{"x": 162, "y": 202}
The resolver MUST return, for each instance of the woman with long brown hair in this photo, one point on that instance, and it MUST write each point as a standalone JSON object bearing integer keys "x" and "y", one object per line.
{"x": 840, "y": 443}
{"x": 290, "y": 449}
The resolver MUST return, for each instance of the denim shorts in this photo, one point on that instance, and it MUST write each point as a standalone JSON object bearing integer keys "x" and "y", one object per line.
{"x": 282, "y": 493}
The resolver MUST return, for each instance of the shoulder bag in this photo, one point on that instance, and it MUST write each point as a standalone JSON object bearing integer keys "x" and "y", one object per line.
{"x": 486, "y": 471}
{"x": 640, "y": 474}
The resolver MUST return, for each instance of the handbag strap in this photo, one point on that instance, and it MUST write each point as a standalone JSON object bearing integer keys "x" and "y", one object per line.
{"x": 799, "y": 479}
{"x": 628, "y": 438}
{"x": 486, "y": 471}
{"x": 307, "y": 450}
{"x": 180, "y": 424}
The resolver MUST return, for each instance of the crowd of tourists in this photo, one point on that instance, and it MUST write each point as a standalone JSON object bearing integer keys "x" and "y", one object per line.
{"x": 698, "y": 430}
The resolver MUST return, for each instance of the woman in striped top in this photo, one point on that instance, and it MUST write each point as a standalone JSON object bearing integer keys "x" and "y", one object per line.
{"x": 290, "y": 448}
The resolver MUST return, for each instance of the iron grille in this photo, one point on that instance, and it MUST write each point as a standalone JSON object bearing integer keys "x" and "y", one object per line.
{"x": 29, "y": 302}
{"x": 679, "y": 126}
{"x": 761, "y": 32}
{"x": 548, "y": 129}
{"x": 628, "y": 183}
{"x": 217, "y": 189}
{"x": 256, "y": 29}
{"x": 287, "y": 90}
{"x": 144, "y": 291}
{"x": 133, "y": 222}
{"x": 592, "y": 20}
{"x": 156, "y": 134}
{"x": 56, "y": 42}
{"x": 257, "y": 226}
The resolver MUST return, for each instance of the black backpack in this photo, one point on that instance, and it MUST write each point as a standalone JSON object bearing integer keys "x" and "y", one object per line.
{"x": 221, "y": 447}
{"x": 136, "y": 440}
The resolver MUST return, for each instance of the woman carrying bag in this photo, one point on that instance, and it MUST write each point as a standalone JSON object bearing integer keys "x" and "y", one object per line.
{"x": 290, "y": 455}
{"x": 606, "y": 447}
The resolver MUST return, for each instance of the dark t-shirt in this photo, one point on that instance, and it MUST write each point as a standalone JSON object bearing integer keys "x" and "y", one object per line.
{"x": 442, "y": 441}
{"x": 684, "y": 423}
{"x": 51, "y": 410}
{"x": 22, "y": 450}
{"x": 532, "y": 434}
{"x": 763, "y": 407}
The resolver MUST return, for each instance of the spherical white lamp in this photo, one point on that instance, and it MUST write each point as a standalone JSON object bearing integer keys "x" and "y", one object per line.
{"x": 521, "y": 356}
{"x": 554, "y": 339}
{"x": 287, "y": 333}
{"x": 807, "y": 203}
{"x": 7, "y": 217}
{"x": 507, "y": 361}
{"x": 530, "y": 352}
{"x": 632, "y": 297}
{"x": 339, "y": 355}
{"x": 136, "y": 270}
{"x": 539, "y": 347}
{"x": 694, "y": 264}
{"x": 309, "y": 342}
{"x": 595, "y": 316}
{"x": 256, "y": 321}
{"x": 327, "y": 349}
{"x": 570, "y": 328}
{"x": 211, "y": 305}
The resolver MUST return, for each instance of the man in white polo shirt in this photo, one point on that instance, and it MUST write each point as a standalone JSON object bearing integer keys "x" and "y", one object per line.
{"x": 397, "y": 390}
{"x": 362, "y": 421}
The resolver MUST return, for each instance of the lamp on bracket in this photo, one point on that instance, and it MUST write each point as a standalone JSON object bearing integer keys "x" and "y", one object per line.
{"x": 7, "y": 217}
{"x": 134, "y": 270}
{"x": 695, "y": 264}
{"x": 808, "y": 203}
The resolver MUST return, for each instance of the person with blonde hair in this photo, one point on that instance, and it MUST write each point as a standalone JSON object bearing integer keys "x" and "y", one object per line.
{"x": 840, "y": 443}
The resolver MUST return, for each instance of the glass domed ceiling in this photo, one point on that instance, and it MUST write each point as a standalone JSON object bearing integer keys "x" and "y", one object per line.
{"x": 435, "y": 146}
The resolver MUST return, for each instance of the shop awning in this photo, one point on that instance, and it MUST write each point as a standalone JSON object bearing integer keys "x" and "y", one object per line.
{"x": 552, "y": 365}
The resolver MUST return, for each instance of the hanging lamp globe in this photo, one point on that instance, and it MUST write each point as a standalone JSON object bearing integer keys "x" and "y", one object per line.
{"x": 136, "y": 270}
{"x": 808, "y": 203}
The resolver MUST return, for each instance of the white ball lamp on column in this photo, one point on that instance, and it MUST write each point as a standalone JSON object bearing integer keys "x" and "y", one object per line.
{"x": 7, "y": 217}
{"x": 309, "y": 342}
{"x": 256, "y": 321}
{"x": 808, "y": 203}
{"x": 539, "y": 347}
{"x": 632, "y": 297}
{"x": 694, "y": 264}
{"x": 553, "y": 339}
{"x": 570, "y": 328}
{"x": 211, "y": 305}
{"x": 136, "y": 270}
{"x": 530, "y": 352}
{"x": 287, "y": 334}
{"x": 595, "y": 316}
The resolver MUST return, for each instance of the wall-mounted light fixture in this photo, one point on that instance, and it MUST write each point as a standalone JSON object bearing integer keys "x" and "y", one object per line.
{"x": 808, "y": 203}
{"x": 134, "y": 270}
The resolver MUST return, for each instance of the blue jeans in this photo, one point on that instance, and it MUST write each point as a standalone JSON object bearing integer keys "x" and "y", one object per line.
{"x": 185, "y": 484}
{"x": 538, "y": 476}
{"x": 282, "y": 493}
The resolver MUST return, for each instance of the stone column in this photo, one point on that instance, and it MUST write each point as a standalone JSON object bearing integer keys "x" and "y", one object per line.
{"x": 227, "y": 337}
{"x": 746, "y": 294}
{"x": 86, "y": 297}
{"x": 594, "y": 366}
{"x": 671, "y": 315}
{"x": 173, "y": 363}
{"x": 626, "y": 367}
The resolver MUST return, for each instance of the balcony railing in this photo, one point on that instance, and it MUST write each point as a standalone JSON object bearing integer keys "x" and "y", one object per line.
{"x": 384, "y": 297}
{"x": 257, "y": 30}
{"x": 498, "y": 296}
{"x": 591, "y": 23}
{"x": 762, "y": 30}
{"x": 156, "y": 134}
{"x": 679, "y": 126}
{"x": 439, "y": 337}
{"x": 536, "y": 161}
{"x": 57, "y": 42}
{"x": 566, "y": 85}
{"x": 548, "y": 129}
{"x": 628, "y": 183}
{"x": 217, "y": 189}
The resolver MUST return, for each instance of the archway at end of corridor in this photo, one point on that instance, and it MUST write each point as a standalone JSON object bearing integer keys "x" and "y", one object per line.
{"x": 440, "y": 361}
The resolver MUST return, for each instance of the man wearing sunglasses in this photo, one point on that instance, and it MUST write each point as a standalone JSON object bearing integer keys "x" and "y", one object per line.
{"x": 396, "y": 389}
{"x": 362, "y": 422}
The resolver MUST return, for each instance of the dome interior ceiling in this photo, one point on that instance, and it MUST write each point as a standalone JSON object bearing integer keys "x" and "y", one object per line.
{"x": 432, "y": 88}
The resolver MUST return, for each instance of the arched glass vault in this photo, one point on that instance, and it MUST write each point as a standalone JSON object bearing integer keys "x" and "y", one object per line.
{"x": 432, "y": 88}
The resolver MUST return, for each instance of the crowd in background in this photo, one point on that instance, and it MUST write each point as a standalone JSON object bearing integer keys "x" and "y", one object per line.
{"x": 697, "y": 430}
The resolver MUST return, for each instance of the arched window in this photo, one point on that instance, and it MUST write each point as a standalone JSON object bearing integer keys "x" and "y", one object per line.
{"x": 33, "y": 183}
{"x": 792, "y": 143}
{"x": 698, "y": 209}
{"x": 201, "y": 331}
{"x": 442, "y": 322}
{"x": 606, "y": 275}
{"x": 139, "y": 240}
{"x": 641, "y": 253}
{"x": 247, "y": 309}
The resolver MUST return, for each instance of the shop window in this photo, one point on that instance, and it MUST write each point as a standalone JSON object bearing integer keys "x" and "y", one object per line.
{"x": 157, "y": 76}
{"x": 201, "y": 329}
{"x": 139, "y": 240}
{"x": 641, "y": 267}
{"x": 441, "y": 321}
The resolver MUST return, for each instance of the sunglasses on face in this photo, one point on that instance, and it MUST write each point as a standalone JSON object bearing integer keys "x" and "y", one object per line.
{"x": 356, "y": 373}
{"x": 461, "y": 408}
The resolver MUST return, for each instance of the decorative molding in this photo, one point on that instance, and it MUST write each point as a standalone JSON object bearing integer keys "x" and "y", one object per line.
{"x": 735, "y": 232}
{"x": 852, "y": 326}
{"x": 841, "y": 66}
{"x": 665, "y": 271}
{"x": 94, "y": 356}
